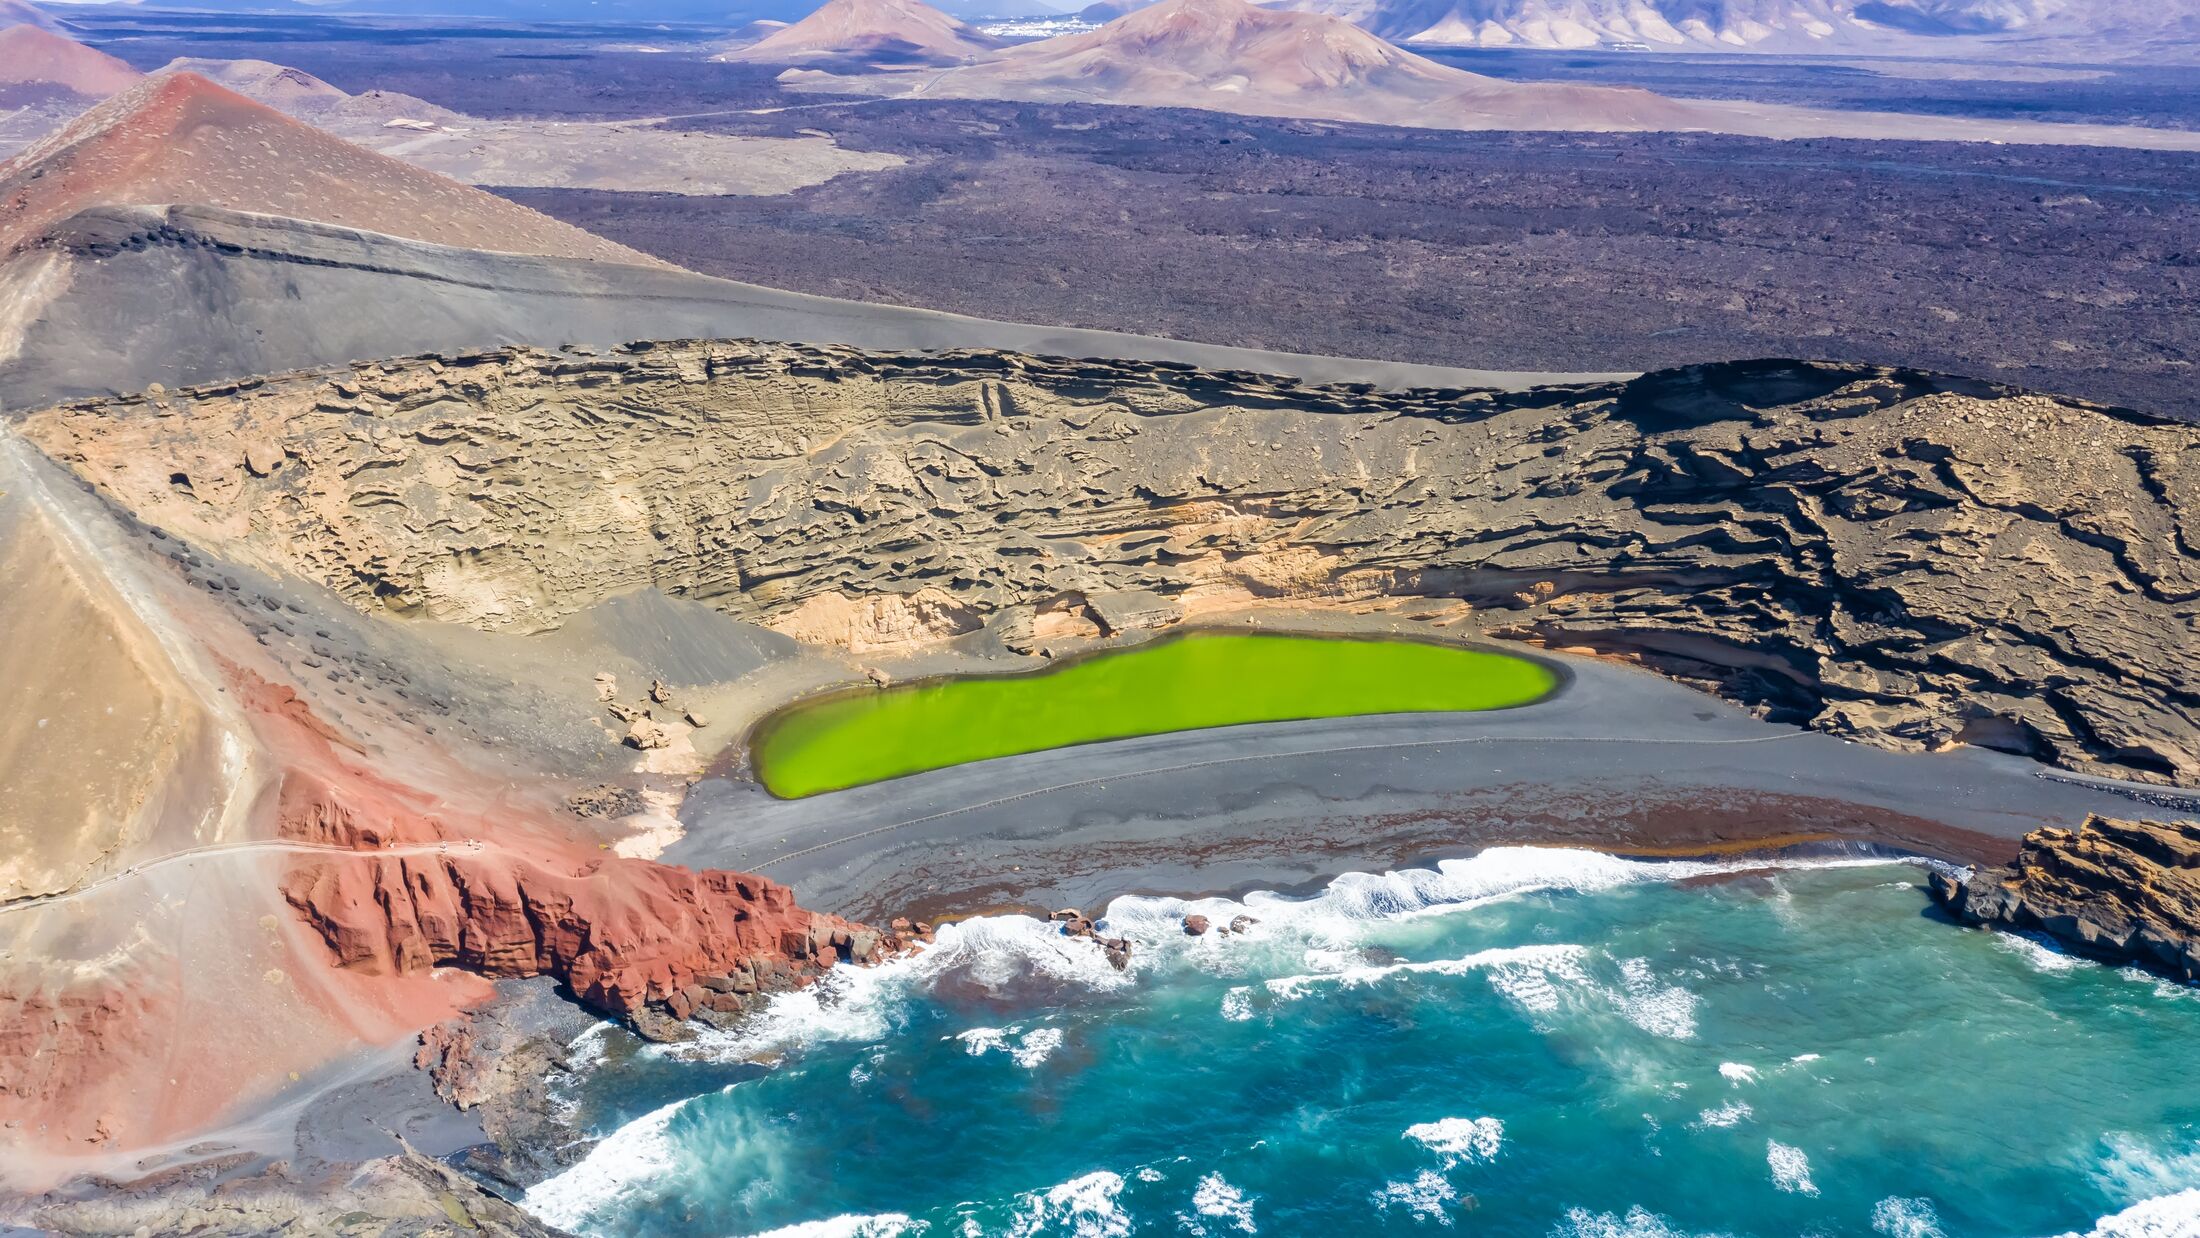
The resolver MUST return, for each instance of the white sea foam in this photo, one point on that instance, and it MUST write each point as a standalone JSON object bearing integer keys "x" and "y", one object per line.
{"x": 1026, "y": 1049}
{"x": 2135, "y": 1169}
{"x": 1638, "y": 1223}
{"x": 2164, "y": 988}
{"x": 878, "y": 1225}
{"x": 2041, "y": 953}
{"x": 1460, "y": 1140}
{"x": 1337, "y": 916}
{"x": 1237, "y": 1004}
{"x": 2165, "y": 1216}
{"x": 587, "y": 1049}
{"x": 1512, "y": 968}
{"x": 1008, "y": 953}
{"x": 1897, "y": 1217}
{"x": 864, "y": 1003}
{"x": 1423, "y": 1198}
{"x": 1732, "y": 1113}
{"x": 1804, "y": 1057}
{"x": 1790, "y": 1168}
{"x": 632, "y": 1155}
{"x": 979, "y": 1041}
{"x": 1216, "y": 1198}
{"x": 1087, "y": 1207}
{"x": 1658, "y": 1008}
{"x": 1737, "y": 1072}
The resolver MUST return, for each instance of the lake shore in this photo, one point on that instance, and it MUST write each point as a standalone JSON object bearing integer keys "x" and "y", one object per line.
{"x": 1618, "y": 759}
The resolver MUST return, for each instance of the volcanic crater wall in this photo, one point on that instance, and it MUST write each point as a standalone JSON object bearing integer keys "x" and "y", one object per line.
{"x": 1903, "y": 558}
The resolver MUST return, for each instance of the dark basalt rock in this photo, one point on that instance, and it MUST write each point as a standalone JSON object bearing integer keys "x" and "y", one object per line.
{"x": 2125, "y": 891}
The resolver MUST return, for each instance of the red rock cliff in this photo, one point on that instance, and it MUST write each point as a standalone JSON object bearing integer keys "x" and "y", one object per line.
{"x": 446, "y": 872}
{"x": 632, "y": 938}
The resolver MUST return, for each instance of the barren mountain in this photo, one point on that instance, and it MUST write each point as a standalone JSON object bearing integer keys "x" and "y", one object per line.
{"x": 1231, "y": 56}
{"x": 2119, "y": 28}
{"x": 21, "y": 13}
{"x": 38, "y": 65}
{"x": 899, "y": 30}
{"x": 1228, "y": 55}
{"x": 179, "y": 138}
{"x": 278, "y": 86}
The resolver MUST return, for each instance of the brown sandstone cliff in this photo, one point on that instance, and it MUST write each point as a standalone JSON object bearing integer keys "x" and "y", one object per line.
{"x": 1906, "y": 559}
{"x": 2124, "y": 890}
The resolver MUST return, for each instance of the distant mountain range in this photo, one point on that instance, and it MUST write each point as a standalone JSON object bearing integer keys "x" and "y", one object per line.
{"x": 2031, "y": 28}
{"x": 1234, "y": 56}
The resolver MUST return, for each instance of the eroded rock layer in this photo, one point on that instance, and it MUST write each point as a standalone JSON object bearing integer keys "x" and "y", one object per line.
{"x": 1911, "y": 560}
{"x": 2125, "y": 890}
{"x": 629, "y": 937}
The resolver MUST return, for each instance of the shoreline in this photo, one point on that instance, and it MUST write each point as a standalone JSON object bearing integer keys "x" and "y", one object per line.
{"x": 1617, "y": 758}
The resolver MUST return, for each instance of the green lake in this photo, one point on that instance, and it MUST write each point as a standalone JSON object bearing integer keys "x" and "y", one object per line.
{"x": 1200, "y": 680}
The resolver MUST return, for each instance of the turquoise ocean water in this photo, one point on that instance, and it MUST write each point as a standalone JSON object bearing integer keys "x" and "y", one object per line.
{"x": 1528, "y": 1042}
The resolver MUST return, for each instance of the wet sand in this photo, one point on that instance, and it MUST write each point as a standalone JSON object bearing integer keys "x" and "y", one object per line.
{"x": 1619, "y": 759}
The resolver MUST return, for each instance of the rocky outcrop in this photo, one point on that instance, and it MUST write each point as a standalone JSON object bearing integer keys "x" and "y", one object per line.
{"x": 1906, "y": 559}
{"x": 2122, "y": 890}
{"x": 645, "y": 942}
{"x": 405, "y": 1196}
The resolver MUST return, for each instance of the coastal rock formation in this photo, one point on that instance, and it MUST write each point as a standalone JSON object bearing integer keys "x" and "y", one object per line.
{"x": 2124, "y": 890}
{"x": 1883, "y": 554}
{"x": 405, "y": 1196}
{"x": 646, "y": 942}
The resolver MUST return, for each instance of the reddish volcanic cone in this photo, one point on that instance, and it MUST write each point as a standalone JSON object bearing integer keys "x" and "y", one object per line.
{"x": 1233, "y": 46}
{"x": 1231, "y": 56}
{"x": 897, "y": 29}
{"x": 179, "y": 138}
{"x": 37, "y": 64}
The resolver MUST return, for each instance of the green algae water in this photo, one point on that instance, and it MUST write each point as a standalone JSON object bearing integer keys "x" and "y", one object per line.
{"x": 1532, "y": 1043}
{"x": 1201, "y": 680}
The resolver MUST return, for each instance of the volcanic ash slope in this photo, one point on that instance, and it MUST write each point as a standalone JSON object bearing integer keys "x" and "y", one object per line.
{"x": 1910, "y": 560}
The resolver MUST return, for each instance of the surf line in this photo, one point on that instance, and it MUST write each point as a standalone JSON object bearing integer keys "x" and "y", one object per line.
{"x": 1258, "y": 756}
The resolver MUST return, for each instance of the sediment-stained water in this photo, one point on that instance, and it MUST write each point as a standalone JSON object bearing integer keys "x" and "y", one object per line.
{"x": 1530, "y": 1042}
{"x": 1204, "y": 679}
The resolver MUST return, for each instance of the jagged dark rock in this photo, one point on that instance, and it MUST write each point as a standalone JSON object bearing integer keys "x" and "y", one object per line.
{"x": 2128, "y": 891}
